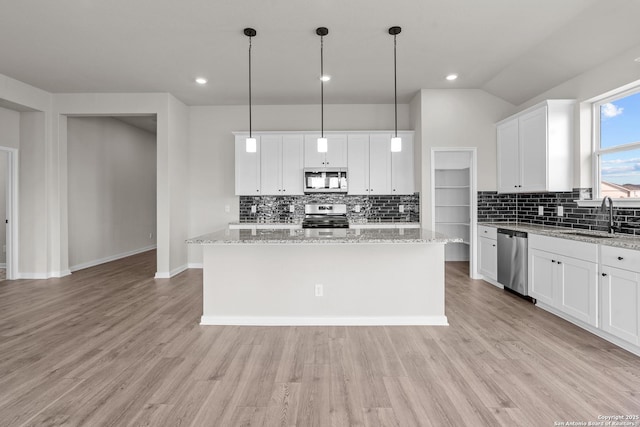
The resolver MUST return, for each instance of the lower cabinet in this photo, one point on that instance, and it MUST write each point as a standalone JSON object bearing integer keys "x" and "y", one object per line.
{"x": 620, "y": 294}
{"x": 488, "y": 252}
{"x": 565, "y": 283}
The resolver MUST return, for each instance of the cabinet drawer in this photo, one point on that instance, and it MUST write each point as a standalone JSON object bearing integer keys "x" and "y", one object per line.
{"x": 579, "y": 250}
{"x": 627, "y": 259}
{"x": 488, "y": 232}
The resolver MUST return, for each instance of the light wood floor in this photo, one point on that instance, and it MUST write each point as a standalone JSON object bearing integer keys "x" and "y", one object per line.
{"x": 108, "y": 346}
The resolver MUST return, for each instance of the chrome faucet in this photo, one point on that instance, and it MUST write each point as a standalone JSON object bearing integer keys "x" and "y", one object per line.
{"x": 604, "y": 207}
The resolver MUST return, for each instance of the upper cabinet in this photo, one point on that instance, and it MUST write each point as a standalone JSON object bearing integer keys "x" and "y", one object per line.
{"x": 281, "y": 164}
{"x": 247, "y": 168}
{"x": 335, "y": 157}
{"x": 374, "y": 169}
{"x": 534, "y": 149}
{"x": 277, "y": 167}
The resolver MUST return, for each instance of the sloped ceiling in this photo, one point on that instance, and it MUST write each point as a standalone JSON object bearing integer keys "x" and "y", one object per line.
{"x": 514, "y": 49}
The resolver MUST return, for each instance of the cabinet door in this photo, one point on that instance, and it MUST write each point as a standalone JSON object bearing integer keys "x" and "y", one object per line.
{"x": 620, "y": 303}
{"x": 577, "y": 286}
{"x": 247, "y": 168}
{"x": 380, "y": 164}
{"x": 271, "y": 165}
{"x": 542, "y": 276}
{"x": 508, "y": 157}
{"x": 488, "y": 258}
{"x": 313, "y": 159}
{"x": 533, "y": 150}
{"x": 402, "y": 179}
{"x": 358, "y": 164}
{"x": 336, "y": 156}
{"x": 292, "y": 164}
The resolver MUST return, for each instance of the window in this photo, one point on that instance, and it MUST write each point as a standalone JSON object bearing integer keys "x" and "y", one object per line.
{"x": 617, "y": 146}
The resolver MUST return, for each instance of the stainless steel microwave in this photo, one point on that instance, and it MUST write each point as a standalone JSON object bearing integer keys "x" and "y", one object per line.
{"x": 325, "y": 180}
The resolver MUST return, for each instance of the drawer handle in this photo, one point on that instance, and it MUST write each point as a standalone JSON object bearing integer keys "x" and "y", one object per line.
{"x": 620, "y": 258}
{"x": 604, "y": 274}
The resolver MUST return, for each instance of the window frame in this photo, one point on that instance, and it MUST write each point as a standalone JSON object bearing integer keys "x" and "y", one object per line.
{"x": 597, "y": 152}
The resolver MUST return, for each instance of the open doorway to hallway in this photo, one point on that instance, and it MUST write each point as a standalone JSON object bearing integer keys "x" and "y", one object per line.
{"x": 111, "y": 181}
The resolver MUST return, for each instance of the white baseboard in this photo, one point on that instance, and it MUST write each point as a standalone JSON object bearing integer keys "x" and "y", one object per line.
{"x": 32, "y": 276}
{"x": 596, "y": 331}
{"x": 490, "y": 281}
{"x": 110, "y": 258}
{"x": 60, "y": 273}
{"x": 325, "y": 321}
{"x": 195, "y": 265}
{"x": 170, "y": 274}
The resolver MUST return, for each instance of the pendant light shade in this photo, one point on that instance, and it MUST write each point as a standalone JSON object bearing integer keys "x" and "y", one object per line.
{"x": 396, "y": 142}
{"x": 323, "y": 145}
{"x": 251, "y": 145}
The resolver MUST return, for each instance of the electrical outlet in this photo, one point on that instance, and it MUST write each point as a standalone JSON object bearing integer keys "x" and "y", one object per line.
{"x": 357, "y": 208}
{"x": 319, "y": 290}
{"x": 253, "y": 208}
{"x": 292, "y": 208}
{"x": 560, "y": 211}
{"x": 227, "y": 208}
{"x": 401, "y": 208}
{"x": 540, "y": 210}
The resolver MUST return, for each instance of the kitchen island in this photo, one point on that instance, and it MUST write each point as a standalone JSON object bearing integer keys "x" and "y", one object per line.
{"x": 323, "y": 277}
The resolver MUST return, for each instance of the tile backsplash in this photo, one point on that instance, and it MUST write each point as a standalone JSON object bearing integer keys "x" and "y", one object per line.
{"x": 523, "y": 208}
{"x": 276, "y": 209}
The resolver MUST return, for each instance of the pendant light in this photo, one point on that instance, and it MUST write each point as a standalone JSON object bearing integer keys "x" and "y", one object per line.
{"x": 323, "y": 145}
{"x": 396, "y": 141}
{"x": 251, "y": 146}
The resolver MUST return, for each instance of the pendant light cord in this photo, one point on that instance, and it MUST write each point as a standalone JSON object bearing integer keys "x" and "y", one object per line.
{"x": 250, "y": 136}
{"x": 395, "y": 84}
{"x": 321, "y": 87}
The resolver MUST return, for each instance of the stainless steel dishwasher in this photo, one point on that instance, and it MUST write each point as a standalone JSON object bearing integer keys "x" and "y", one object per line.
{"x": 512, "y": 260}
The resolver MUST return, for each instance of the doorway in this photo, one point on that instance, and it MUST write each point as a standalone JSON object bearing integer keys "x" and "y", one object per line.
{"x": 9, "y": 205}
{"x": 454, "y": 200}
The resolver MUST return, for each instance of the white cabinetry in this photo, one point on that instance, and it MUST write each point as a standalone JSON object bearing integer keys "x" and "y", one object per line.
{"x": 247, "y": 168}
{"x": 335, "y": 157}
{"x": 534, "y": 149}
{"x": 374, "y": 169}
{"x": 620, "y": 293}
{"x": 567, "y": 284}
{"x": 488, "y": 253}
{"x": 281, "y": 164}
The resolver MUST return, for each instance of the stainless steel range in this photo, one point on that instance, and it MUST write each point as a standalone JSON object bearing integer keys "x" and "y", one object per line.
{"x": 325, "y": 216}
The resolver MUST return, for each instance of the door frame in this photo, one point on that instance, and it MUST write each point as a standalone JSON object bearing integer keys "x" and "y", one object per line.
{"x": 12, "y": 212}
{"x": 473, "y": 198}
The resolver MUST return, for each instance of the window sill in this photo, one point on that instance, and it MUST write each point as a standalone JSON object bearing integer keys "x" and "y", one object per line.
{"x": 627, "y": 203}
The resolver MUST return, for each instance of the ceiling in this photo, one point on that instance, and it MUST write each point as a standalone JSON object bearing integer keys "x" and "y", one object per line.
{"x": 514, "y": 49}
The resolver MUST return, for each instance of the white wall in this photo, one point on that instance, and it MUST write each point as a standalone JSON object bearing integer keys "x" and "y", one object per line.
{"x": 111, "y": 179}
{"x": 33, "y": 207}
{"x": 211, "y": 150}
{"x": 459, "y": 118}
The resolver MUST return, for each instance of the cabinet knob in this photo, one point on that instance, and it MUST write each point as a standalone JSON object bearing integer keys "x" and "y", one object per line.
{"x": 485, "y": 231}
{"x": 604, "y": 274}
{"x": 553, "y": 261}
{"x": 493, "y": 246}
{"x": 620, "y": 258}
{"x": 559, "y": 263}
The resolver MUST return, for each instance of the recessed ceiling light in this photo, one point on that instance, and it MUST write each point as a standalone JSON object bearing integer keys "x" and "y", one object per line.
{"x": 201, "y": 81}
{"x": 325, "y": 78}
{"x": 452, "y": 77}
{"x": 637, "y": 59}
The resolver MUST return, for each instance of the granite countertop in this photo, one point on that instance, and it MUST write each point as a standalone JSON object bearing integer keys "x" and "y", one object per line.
{"x": 288, "y": 225}
{"x": 322, "y": 236}
{"x": 619, "y": 240}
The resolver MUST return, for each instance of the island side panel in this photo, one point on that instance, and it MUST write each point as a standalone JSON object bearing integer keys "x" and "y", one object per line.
{"x": 367, "y": 284}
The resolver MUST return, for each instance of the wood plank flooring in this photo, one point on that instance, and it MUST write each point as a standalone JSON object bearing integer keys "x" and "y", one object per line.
{"x": 111, "y": 346}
